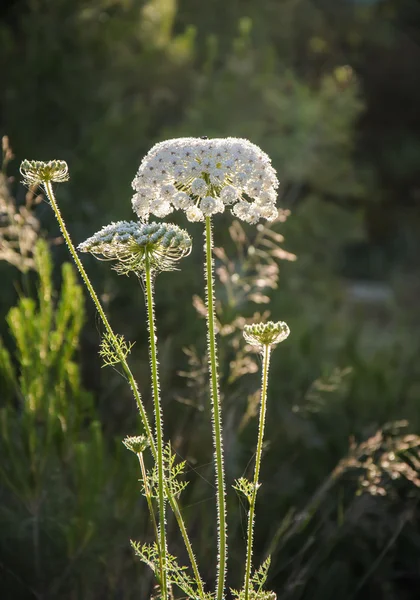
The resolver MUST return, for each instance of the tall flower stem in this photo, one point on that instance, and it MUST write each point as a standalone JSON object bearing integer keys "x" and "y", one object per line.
{"x": 261, "y": 428}
{"x": 216, "y": 415}
{"x": 130, "y": 377}
{"x": 158, "y": 421}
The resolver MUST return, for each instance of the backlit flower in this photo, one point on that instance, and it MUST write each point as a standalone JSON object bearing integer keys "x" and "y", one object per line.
{"x": 203, "y": 176}
{"x": 130, "y": 243}
{"x": 266, "y": 334}
{"x": 36, "y": 172}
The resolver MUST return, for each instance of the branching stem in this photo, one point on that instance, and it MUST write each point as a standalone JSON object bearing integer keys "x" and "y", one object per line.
{"x": 216, "y": 414}
{"x": 261, "y": 427}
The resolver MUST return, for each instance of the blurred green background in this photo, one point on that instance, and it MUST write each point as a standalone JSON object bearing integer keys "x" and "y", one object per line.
{"x": 330, "y": 89}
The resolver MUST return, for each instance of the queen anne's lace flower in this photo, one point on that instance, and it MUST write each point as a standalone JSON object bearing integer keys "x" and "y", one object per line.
{"x": 129, "y": 244}
{"x": 266, "y": 334}
{"x": 202, "y": 177}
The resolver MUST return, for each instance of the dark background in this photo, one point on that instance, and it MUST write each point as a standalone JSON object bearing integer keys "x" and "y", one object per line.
{"x": 330, "y": 89}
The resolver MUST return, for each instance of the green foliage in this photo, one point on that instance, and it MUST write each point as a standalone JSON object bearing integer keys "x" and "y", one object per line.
{"x": 276, "y": 72}
{"x": 172, "y": 472}
{"x": 257, "y": 582}
{"x": 245, "y": 487}
{"x": 111, "y": 353}
{"x": 149, "y": 554}
{"x": 56, "y": 503}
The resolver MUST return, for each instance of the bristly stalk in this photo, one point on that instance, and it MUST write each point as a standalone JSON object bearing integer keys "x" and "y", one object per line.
{"x": 148, "y": 495}
{"x": 158, "y": 421}
{"x": 128, "y": 373}
{"x": 86, "y": 280}
{"x": 266, "y": 350}
{"x": 216, "y": 414}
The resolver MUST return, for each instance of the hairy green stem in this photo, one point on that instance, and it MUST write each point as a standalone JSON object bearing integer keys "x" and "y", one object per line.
{"x": 172, "y": 501}
{"x": 261, "y": 427}
{"x": 86, "y": 280}
{"x": 148, "y": 495}
{"x": 216, "y": 414}
{"x": 158, "y": 421}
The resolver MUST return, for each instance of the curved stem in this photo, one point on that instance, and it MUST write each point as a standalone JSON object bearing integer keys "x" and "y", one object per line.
{"x": 158, "y": 422}
{"x": 86, "y": 280}
{"x": 261, "y": 427}
{"x": 128, "y": 373}
{"x": 216, "y": 414}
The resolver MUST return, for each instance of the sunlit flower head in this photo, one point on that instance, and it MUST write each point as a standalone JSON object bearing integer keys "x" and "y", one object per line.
{"x": 35, "y": 171}
{"x": 204, "y": 176}
{"x": 266, "y": 334}
{"x": 131, "y": 243}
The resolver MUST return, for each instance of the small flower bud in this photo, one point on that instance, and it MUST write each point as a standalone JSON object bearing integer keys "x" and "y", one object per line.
{"x": 136, "y": 443}
{"x": 266, "y": 334}
{"x": 35, "y": 171}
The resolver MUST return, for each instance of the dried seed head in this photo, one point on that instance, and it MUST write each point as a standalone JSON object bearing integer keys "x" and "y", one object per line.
{"x": 35, "y": 171}
{"x": 130, "y": 244}
{"x": 136, "y": 443}
{"x": 266, "y": 334}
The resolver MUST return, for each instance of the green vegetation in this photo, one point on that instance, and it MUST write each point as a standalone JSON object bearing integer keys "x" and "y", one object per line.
{"x": 330, "y": 90}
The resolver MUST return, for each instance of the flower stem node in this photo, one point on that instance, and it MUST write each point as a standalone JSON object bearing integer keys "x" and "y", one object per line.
{"x": 35, "y": 172}
{"x": 266, "y": 334}
{"x": 136, "y": 443}
{"x": 130, "y": 243}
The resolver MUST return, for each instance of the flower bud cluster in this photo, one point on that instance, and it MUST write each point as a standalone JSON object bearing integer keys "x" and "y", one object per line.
{"x": 130, "y": 243}
{"x": 35, "y": 171}
{"x": 266, "y": 334}
{"x": 136, "y": 443}
{"x": 204, "y": 176}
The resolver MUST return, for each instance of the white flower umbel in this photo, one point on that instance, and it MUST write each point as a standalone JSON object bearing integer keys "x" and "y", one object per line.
{"x": 185, "y": 173}
{"x": 202, "y": 177}
{"x": 130, "y": 243}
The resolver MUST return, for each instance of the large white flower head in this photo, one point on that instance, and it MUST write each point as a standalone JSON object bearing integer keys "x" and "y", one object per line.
{"x": 130, "y": 244}
{"x": 203, "y": 176}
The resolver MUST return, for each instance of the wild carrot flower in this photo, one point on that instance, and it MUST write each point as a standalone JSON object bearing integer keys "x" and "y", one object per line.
{"x": 204, "y": 176}
{"x": 129, "y": 243}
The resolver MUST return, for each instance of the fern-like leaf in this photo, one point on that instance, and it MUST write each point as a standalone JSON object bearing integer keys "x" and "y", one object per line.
{"x": 245, "y": 487}
{"x": 172, "y": 471}
{"x": 258, "y": 579}
{"x": 113, "y": 350}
